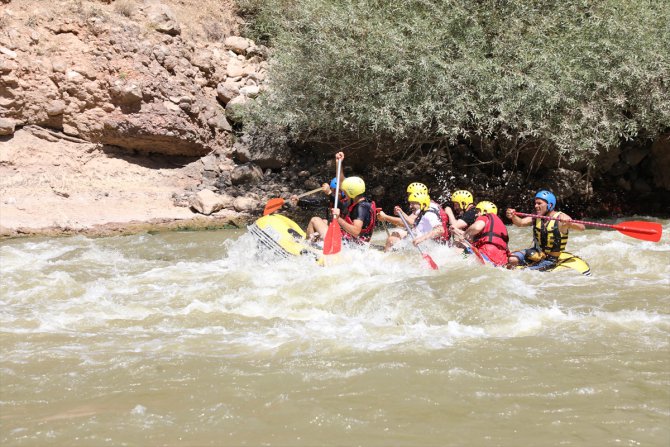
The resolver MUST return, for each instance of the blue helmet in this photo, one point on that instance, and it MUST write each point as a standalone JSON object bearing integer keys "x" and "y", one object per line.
{"x": 548, "y": 197}
{"x": 333, "y": 186}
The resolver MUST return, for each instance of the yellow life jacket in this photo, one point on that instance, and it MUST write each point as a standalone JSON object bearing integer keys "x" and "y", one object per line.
{"x": 547, "y": 236}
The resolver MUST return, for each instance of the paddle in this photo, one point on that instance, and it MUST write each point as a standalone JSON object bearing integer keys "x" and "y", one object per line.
{"x": 426, "y": 256}
{"x": 475, "y": 251}
{"x": 274, "y": 204}
{"x": 647, "y": 231}
{"x": 332, "y": 243}
{"x": 384, "y": 223}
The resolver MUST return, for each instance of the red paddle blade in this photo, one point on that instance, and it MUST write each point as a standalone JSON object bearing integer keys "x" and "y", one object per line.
{"x": 647, "y": 231}
{"x": 332, "y": 243}
{"x": 273, "y": 205}
{"x": 478, "y": 255}
{"x": 430, "y": 261}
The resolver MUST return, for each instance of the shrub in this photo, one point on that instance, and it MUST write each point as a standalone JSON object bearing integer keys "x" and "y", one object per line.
{"x": 573, "y": 77}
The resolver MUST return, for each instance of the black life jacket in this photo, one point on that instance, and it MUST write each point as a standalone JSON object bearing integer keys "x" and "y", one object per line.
{"x": 366, "y": 231}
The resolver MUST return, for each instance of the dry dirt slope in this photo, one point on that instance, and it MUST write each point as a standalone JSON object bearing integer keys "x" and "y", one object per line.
{"x": 64, "y": 184}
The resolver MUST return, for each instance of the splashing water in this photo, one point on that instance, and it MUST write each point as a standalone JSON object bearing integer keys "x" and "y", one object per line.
{"x": 200, "y": 339}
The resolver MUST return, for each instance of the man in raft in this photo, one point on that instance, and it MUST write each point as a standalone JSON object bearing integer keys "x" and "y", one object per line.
{"x": 463, "y": 213}
{"x": 317, "y": 227}
{"x": 488, "y": 234}
{"x": 427, "y": 222}
{"x": 357, "y": 226}
{"x": 420, "y": 206}
{"x": 549, "y": 236}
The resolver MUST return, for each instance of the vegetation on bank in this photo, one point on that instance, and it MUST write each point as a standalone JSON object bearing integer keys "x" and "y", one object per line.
{"x": 572, "y": 77}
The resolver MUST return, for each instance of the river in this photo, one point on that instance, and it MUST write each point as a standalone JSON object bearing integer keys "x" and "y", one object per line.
{"x": 195, "y": 339}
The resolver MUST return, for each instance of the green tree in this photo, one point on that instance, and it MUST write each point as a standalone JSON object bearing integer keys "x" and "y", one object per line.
{"x": 572, "y": 76}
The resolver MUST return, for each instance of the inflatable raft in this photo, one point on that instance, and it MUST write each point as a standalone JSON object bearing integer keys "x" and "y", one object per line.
{"x": 282, "y": 237}
{"x": 569, "y": 261}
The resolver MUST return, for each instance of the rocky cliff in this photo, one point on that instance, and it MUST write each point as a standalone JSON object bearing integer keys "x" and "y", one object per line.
{"x": 138, "y": 82}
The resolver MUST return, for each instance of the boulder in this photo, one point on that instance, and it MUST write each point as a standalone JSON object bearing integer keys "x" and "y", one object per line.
{"x": 235, "y": 68}
{"x": 169, "y": 134}
{"x": 235, "y": 108}
{"x": 7, "y": 126}
{"x": 163, "y": 20}
{"x": 238, "y": 44}
{"x": 207, "y": 202}
{"x": 55, "y": 108}
{"x": 126, "y": 94}
{"x": 250, "y": 91}
{"x": 246, "y": 173}
{"x": 226, "y": 91}
{"x": 245, "y": 204}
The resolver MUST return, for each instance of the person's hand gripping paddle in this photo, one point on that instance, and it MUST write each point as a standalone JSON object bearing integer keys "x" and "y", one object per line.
{"x": 426, "y": 256}
{"x": 276, "y": 203}
{"x": 332, "y": 243}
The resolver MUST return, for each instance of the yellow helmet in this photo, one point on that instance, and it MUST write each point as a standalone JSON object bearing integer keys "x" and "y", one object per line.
{"x": 353, "y": 186}
{"x": 421, "y": 198}
{"x": 463, "y": 198}
{"x": 486, "y": 207}
{"x": 417, "y": 187}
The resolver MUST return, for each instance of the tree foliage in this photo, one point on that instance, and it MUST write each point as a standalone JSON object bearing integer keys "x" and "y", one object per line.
{"x": 574, "y": 76}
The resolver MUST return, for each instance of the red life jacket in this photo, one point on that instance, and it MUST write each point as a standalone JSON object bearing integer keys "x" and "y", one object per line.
{"x": 444, "y": 220}
{"x": 366, "y": 232}
{"x": 494, "y": 233}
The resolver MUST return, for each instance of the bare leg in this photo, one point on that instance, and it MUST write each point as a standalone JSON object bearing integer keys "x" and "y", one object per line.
{"x": 317, "y": 226}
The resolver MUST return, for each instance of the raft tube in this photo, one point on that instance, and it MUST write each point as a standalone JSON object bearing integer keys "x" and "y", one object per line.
{"x": 569, "y": 261}
{"x": 282, "y": 236}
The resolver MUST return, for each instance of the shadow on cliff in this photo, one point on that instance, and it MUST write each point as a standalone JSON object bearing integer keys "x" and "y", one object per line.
{"x": 148, "y": 159}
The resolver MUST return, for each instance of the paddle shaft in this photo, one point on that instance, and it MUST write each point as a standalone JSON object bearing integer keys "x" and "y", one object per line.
{"x": 337, "y": 185}
{"x": 425, "y": 256}
{"x": 593, "y": 224}
{"x": 309, "y": 193}
{"x": 384, "y": 223}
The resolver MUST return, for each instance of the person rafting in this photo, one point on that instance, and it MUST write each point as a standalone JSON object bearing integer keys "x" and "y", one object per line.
{"x": 317, "y": 226}
{"x": 488, "y": 234}
{"x": 425, "y": 216}
{"x": 411, "y": 188}
{"x": 463, "y": 213}
{"x": 550, "y": 237}
{"x": 359, "y": 223}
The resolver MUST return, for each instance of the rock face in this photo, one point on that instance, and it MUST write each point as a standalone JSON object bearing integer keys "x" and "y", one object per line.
{"x": 123, "y": 74}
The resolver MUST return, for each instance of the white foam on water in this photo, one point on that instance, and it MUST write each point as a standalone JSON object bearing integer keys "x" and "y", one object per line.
{"x": 363, "y": 299}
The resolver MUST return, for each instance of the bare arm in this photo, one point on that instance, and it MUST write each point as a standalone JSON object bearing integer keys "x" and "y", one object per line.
{"x": 564, "y": 225}
{"x": 474, "y": 229}
{"x": 354, "y": 228}
{"x": 516, "y": 220}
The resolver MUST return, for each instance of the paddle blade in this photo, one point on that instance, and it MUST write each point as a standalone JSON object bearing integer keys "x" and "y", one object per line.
{"x": 332, "y": 243}
{"x": 647, "y": 231}
{"x": 477, "y": 254}
{"x": 430, "y": 261}
{"x": 272, "y": 206}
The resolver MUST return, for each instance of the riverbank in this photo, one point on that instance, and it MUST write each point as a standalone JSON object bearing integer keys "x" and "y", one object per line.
{"x": 65, "y": 187}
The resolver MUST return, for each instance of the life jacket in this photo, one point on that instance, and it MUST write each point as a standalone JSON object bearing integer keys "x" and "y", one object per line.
{"x": 366, "y": 232}
{"x": 436, "y": 209}
{"x": 494, "y": 233}
{"x": 341, "y": 204}
{"x": 548, "y": 237}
